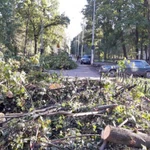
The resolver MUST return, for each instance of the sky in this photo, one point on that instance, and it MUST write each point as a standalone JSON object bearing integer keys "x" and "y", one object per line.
{"x": 72, "y": 9}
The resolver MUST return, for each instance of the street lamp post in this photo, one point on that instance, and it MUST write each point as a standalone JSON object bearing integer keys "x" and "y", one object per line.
{"x": 82, "y": 48}
{"x": 93, "y": 32}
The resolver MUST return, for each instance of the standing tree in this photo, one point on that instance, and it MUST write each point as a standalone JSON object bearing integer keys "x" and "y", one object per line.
{"x": 9, "y": 24}
{"x": 124, "y": 26}
{"x": 40, "y": 16}
{"x": 28, "y": 20}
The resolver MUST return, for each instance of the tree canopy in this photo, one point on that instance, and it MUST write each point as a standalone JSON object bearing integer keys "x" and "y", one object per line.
{"x": 122, "y": 28}
{"x": 30, "y": 21}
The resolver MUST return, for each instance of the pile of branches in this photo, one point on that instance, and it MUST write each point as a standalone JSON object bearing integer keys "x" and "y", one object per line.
{"x": 76, "y": 114}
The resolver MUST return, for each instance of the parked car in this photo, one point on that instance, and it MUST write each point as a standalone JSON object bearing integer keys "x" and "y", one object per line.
{"x": 109, "y": 69}
{"x": 133, "y": 67}
{"x": 86, "y": 59}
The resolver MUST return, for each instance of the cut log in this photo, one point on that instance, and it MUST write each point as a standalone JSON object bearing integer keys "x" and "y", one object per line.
{"x": 2, "y": 118}
{"x": 105, "y": 141}
{"x": 125, "y": 136}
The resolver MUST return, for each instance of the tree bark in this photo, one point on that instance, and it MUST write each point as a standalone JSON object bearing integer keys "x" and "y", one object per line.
{"x": 147, "y": 4}
{"x": 35, "y": 44}
{"x": 136, "y": 42}
{"x": 125, "y": 136}
{"x": 26, "y": 34}
{"x": 141, "y": 57}
{"x": 123, "y": 45}
{"x": 36, "y": 35}
{"x": 145, "y": 49}
{"x": 105, "y": 141}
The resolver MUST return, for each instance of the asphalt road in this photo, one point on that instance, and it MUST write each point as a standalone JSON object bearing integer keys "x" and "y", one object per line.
{"x": 82, "y": 71}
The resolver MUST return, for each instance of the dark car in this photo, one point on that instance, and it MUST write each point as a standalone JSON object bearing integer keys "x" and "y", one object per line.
{"x": 86, "y": 59}
{"x": 133, "y": 67}
{"x": 109, "y": 69}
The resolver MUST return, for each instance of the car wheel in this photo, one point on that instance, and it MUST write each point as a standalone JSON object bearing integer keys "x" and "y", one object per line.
{"x": 147, "y": 75}
{"x": 112, "y": 73}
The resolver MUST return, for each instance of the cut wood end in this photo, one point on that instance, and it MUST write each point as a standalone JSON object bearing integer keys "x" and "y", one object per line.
{"x": 2, "y": 117}
{"x": 106, "y": 132}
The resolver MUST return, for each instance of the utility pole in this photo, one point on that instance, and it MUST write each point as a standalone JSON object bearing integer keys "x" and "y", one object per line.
{"x": 78, "y": 45}
{"x": 93, "y": 32}
{"x": 75, "y": 46}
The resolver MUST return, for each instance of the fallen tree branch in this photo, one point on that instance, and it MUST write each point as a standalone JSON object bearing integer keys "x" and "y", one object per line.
{"x": 73, "y": 137}
{"x": 49, "y": 111}
{"x": 146, "y": 98}
{"x": 123, "y": 123}
{"x": 52, "y": 144}
{"x": 86, "y": 113}
{"x": 103, "y": 145}
{"x": 128, "y": 87}
{"x": 105, "y": 107}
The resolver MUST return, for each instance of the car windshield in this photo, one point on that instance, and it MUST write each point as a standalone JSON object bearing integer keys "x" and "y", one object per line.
{"x": 138, "y": 64}
{"x": 145, "y": 63}
{"x": 86, "y": 56}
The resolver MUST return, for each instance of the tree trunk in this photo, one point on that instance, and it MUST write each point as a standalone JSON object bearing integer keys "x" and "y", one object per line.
{"x": 136, "y": 42}
{"x": 26, "y": 33}
{"x": 105, "y": 50}
{"x": 142, "y": 47}
{"x": 125, "y": 136}
{"x": 145, "y": 49}
{"x": 123, "y": 45}
{"x": 105, "y": 57}
{"x": 147, "y": 4}
{"x": 141, "y": 56}
{"x": 36, "y": 35}
{"x": 35, "y": 44}
{"x": 98, "y": 53}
